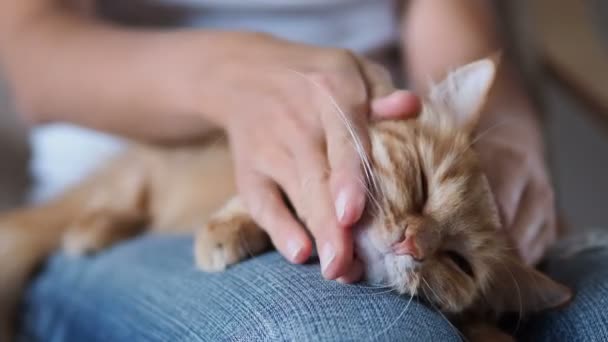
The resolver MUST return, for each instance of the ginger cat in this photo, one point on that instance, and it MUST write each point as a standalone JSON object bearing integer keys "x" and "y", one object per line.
{"x": 431, "y": 228}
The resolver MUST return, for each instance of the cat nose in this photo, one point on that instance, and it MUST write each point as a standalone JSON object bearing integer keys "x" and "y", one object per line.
{"x": 408, "y": 246}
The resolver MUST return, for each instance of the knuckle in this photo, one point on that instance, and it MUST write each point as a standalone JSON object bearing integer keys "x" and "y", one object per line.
{"x": 514, "y": 157}
{"x": 345, "y": 143}
{"x": 376, "y": 70}
{"x": 359, "y": 100}
{"x": 311, "y": 134}
{"x": 546, "y": 194}
{"x": 343, "y": 156}
{"x": 324, "y": 79}
{"x": 380, "y": 72}
{"x": 263, "y": 209}
{"x": 509, "y": 157}
{"x": 341, "y": 76}
{"x": 340, "y": 58}
{"x": 315, "y": 179}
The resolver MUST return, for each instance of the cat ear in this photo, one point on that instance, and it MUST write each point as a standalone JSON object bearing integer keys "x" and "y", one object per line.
{"x": 520, "y": 288}
{"x": 464, "y": 91}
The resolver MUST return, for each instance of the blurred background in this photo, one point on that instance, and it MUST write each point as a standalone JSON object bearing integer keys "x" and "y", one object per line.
{"x": 564, "y": 47}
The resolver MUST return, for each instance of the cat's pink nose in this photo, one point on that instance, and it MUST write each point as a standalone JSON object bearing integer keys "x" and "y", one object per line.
{"x": 408, "y": 246}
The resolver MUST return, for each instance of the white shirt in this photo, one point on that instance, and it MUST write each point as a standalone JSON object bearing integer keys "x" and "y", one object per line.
{"x": 63, "y": 154}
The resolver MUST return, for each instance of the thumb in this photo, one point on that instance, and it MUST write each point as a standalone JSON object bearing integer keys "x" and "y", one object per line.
{"x": 401, "y": 104}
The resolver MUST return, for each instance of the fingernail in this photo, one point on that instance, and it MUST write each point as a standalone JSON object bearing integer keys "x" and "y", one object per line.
{"x": 327, "y": 257}
{"x": 349, "y": 214}
{"x": 342, "y": 280}
{"x": 294, "y": 249}
{"x": 341, "y": 205}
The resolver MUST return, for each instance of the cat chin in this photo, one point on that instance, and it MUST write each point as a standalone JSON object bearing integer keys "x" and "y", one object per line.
{"x": 371, "y": 255}
{"x": 402, "y": 273}
{"x": 381, "y": 266}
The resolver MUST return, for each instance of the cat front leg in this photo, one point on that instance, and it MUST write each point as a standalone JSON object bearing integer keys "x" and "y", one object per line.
{"x": 100, "y": 229}
{"x": 228, "y": 237}
{"x": 114, "y": 212}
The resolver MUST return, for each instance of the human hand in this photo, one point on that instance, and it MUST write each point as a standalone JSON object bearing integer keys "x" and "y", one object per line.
{"x": 518, "y": 177}
{"x": 292, "y": 116}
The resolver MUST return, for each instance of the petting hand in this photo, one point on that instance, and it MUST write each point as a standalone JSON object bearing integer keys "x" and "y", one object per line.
{"x": 291, "y": 115}
{"x": 519, "y": 179}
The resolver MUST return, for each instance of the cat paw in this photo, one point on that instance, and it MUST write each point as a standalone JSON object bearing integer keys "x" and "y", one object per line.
{"x": 225, "y": 241}
{"x": 78, "y": 243}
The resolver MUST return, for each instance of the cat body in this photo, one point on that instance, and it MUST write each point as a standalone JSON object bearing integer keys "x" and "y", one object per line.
{"x": 430, "y": 229}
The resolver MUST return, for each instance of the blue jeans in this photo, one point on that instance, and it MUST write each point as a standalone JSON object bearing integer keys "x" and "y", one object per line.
{"x": 148, "y": 290}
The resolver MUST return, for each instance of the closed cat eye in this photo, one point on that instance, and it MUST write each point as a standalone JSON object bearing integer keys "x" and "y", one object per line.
{"x": 461, "y": 262}
{"x": 423, "y": 191}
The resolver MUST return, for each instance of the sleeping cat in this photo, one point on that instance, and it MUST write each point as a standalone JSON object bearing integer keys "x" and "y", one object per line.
{"x": 431, "y": 227}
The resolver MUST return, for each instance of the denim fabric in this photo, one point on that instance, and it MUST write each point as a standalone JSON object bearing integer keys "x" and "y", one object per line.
{"x": 586, "y": 317}
{"x": 149, "y": 290}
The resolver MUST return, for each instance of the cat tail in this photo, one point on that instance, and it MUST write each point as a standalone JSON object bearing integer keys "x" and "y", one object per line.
{"x": 27, "y": 237}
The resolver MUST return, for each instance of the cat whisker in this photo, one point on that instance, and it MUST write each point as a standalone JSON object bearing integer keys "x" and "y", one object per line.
{"x": 375, "y": 293}
{"x": 403, "y": 312}
{"x": 369, "y": 286}
{"x": 383, "y": 292}
{"x": 252, "y": 256}
{"x": 358, "y": 146}
{"x": 245, "y": 246}
{"x": 372, "y": 198}
{"x": 519, "y": 298}
{"x": 377, "y": 190}
{"x": 424, "y": 282}
{"x": 481, "y": 135}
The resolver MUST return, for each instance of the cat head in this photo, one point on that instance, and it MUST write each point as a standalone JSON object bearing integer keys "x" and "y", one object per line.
{"x": 432, "y": 227}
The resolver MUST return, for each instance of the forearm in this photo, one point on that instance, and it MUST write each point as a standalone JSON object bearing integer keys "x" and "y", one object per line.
{"x": 66, "y": 67}
{"x": 441, "y": 35}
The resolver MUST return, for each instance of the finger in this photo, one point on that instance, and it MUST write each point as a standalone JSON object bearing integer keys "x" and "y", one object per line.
{"x": 283, "y": 172}
{"x": 400, "y": 104}
{"x": 546, "y": 236}
{"x": 544, "y": 239}
{"x": 344, "y": 131}
{"x": 379, "y": 80}
{"x": 510, "y": 200}
{"x": 333, "y": 243}
{"x": 386, "y": 101}
{"x": 528, "y": 223}
{"x": 347, "y": 152}
{"x": 265, "y": 203}
{"x": 354, "y": 273}
{"x": 508, "y": 191}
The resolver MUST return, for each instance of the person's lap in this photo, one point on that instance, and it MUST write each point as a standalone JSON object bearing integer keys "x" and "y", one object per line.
{"x": 149, "y": 290}
{"x": 586, "y": 317}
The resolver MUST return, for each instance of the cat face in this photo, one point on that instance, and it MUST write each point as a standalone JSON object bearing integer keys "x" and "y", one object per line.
{"x": 432, "y": 228}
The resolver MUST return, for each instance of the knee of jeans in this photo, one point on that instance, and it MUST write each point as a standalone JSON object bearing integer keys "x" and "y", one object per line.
{"x": 354, "y": 316}
{"x": 584, "y": 319}
{"x": 578, "y": 257}
{"x": 262, "y": 299}
{"x": 579, "y": 263}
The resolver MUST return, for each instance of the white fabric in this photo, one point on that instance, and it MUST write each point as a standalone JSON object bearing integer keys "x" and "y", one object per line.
{"x": 63, "y": 154}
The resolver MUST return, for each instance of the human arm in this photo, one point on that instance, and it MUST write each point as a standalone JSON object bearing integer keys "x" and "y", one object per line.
{"x": 272, "y": 97}
{"x": 440, "y": 35}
